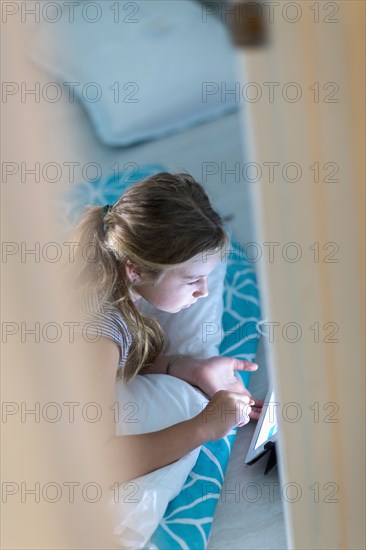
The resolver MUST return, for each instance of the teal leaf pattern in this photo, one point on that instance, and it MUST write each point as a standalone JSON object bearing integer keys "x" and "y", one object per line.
{"x": 188, "y": 518}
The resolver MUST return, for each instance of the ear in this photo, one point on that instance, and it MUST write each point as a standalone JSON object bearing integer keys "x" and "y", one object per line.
{"x": 133, "y": 272}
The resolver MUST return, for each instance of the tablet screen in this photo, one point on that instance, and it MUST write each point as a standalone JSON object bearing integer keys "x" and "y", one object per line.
{"x": 266, "y": 429}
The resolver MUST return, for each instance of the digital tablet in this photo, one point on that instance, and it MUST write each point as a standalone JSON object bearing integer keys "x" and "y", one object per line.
{"x": 266, "y": 430}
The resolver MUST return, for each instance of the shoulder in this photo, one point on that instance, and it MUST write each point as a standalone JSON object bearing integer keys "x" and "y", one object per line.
{"x": 104, "y": 320}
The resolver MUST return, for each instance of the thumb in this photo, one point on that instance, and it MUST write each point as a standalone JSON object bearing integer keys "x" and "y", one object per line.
{"x": 245, "y": 365}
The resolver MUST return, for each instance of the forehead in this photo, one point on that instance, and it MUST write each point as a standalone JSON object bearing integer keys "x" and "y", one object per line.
{"x": 198, "y": 266}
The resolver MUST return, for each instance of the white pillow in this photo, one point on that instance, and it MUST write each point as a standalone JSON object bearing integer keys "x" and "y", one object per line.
{"x": 195, "y": 331}
{"x": 149, "y": 403}
{"x": 143, "y": 76}
{"x": 156, "y": 401}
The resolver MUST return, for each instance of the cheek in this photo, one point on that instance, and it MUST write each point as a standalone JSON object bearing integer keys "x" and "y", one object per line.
{"x": 175, "y": 296}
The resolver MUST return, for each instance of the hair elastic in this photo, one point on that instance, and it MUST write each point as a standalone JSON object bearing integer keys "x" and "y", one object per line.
{"x": 171, "y": 362}
{"x": 106, "y": 208}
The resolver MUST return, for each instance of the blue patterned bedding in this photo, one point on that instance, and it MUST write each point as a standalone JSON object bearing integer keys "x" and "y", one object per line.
{"x": 188, "y": 517}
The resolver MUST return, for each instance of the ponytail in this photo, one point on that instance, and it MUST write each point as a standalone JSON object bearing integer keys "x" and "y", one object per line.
{"x": 99, "y": 278}
{"x": 158, "y": 223}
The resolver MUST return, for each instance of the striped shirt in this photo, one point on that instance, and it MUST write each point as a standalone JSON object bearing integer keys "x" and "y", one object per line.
{"x": 105, "y": 320}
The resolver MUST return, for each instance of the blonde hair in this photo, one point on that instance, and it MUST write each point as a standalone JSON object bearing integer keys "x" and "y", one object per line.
{"x": 158, "y": 223}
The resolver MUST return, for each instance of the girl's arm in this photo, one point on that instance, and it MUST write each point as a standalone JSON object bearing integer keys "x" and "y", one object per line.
{"x": 184, "y": 367}
{"x": 210, "y": 375}
{"x": 132, "y": 456}
{"x": 122, "y": 458}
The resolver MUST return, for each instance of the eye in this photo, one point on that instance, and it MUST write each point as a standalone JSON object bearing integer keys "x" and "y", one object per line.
{"x": 194, "y": 283}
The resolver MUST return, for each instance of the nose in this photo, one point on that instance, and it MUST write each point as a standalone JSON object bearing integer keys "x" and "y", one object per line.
{"x": 202, "y": 290}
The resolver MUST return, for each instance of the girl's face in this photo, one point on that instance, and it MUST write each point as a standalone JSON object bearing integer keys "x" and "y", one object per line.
{"x": 179, "y": 287}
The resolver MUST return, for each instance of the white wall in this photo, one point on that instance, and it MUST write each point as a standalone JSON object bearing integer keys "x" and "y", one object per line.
{"x": 323, "y": 458}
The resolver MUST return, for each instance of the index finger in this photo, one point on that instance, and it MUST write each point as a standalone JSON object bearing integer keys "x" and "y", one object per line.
{"x": 245, "y": 365}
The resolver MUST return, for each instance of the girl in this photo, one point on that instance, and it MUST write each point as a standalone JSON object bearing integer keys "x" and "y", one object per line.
{"x": 159, "y": 242}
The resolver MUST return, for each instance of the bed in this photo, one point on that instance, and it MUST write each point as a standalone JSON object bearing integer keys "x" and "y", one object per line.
{"x": 208, "y": 146}
{"x": 188, "y": 517}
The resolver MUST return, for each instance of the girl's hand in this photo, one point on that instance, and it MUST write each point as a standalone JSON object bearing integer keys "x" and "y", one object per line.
{"x": 217, "y": 373}
{"x": 224, "y": 411}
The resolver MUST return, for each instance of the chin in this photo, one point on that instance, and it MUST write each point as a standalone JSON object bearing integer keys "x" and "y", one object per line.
{"x": 169, "y": 309}
{"x": 177, "y": 309}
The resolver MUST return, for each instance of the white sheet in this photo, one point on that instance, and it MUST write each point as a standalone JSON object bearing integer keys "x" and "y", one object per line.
{"x": 156, "y": 401}
{"x": 152, "y": 402}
